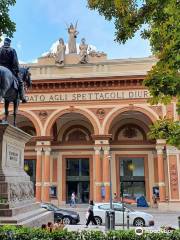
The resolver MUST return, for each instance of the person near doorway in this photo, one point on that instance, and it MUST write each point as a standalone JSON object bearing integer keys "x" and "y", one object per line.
{"x": 90, "y": 217}
{"x": 73, "y": 200}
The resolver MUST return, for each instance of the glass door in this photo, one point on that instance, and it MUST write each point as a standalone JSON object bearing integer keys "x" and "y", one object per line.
{"x": 132, "y": 176}
{"x": 77, "y": 179}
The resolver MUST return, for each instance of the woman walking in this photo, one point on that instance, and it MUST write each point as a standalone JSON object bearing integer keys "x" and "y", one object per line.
{"x": 90, "y": 212}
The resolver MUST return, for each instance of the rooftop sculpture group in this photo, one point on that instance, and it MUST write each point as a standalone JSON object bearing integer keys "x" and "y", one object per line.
{"x": 84, "y": 49}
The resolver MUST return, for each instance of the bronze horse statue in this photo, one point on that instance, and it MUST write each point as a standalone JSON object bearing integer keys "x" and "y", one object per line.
{"x": 9, "y": 88}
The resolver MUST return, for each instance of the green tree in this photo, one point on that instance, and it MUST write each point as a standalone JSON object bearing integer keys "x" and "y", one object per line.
{"x": 159, "y": 21}
{"x": 166, "y": 129}
{"x": 7, "y": 27}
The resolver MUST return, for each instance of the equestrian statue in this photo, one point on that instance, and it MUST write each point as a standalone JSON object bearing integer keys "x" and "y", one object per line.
{"x": 13, "y": 79}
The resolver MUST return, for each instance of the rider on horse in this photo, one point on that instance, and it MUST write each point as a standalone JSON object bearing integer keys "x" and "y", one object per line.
{"x": 8, "y": 59}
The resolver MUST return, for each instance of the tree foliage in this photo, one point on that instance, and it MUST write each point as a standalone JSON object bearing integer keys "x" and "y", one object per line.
{"x": 7, "y": 26}
{"x": 166, "y": 129}
{"x": 159, "y": 21}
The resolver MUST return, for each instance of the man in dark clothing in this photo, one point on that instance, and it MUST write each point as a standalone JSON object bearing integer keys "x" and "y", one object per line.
{"x": 90, "y": 212}
{"x": 9, "y": 59}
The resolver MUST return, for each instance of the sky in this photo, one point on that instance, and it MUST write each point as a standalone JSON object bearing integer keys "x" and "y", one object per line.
{"x": 40, "y": 23}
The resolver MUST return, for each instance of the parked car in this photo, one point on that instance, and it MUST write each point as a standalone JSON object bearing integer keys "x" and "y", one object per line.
{"x": 135, "y": 218}
{"x": 68, "y": 217}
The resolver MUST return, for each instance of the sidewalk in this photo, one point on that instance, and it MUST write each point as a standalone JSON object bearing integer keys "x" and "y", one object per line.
{"x": 84, "y": 207}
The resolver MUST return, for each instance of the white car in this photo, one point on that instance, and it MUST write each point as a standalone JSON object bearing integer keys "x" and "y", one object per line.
{"x": 135, "y": 218}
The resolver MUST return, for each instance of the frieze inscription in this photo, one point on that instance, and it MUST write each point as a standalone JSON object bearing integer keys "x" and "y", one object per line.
{"x": 89, "y": 96}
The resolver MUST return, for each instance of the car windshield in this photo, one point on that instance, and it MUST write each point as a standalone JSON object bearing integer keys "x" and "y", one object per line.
{"x": 52, "y": 206}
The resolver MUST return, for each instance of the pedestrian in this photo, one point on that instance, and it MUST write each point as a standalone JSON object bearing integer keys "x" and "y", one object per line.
{"x": 73, "y": 200}
{"x": 115, "y": 198}
{"x": 44, "y": 227}
{"x": 90, "y": 213}
{"x": 50, "y": 226}
{"x": 59, "y": 225}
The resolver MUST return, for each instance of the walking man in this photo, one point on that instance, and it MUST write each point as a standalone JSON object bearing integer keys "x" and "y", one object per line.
{"x": 91, "y": 217}
{"x": 73, "y": 200}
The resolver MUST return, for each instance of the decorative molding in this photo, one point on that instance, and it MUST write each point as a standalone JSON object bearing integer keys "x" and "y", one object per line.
{"x": 101, "y": 113}
{"x": 91, "y": 83}
{"x": 43, "y": 114}
{"x": 46, "y": 184}
{"x": 101, "y": 142}
{"x": 38, "y": 184}
{"x": 171, "y": 150}
{"x": 158, "y": 110}
{"x": 161, "y": 184}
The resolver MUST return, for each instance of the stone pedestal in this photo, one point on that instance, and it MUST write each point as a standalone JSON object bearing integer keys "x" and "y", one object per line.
{"x": 17, "y": 202}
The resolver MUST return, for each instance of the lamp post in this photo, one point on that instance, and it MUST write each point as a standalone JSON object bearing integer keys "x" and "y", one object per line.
{"x": 112, "y": 219}
{"x": 111, "y": 214}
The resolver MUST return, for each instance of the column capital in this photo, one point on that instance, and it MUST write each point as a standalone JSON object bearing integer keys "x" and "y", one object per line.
{"x": 97, "y": 149}
{"x": 47, "y": 150}
{"x": 38, "y": 150}
{"x": 159, "y": 149}
{"x": 106, "y": 149}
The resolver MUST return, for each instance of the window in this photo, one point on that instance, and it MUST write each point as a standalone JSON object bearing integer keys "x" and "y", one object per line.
{"x": 104, "y": 207}
{"x": 53, "y": 191}
{"x": 132, "y": 176}
{"x": 117, "y": 207}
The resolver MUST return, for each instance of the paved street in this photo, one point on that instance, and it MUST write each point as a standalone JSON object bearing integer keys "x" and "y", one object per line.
{"x": 161, "y": 218}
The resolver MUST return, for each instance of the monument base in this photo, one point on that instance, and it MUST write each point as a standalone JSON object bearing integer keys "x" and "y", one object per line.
{"x": 30, "y": 215}
{"x": 17, "y": 202}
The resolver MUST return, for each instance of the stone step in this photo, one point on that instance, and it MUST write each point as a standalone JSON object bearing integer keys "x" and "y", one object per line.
{"x": 10, "y": 212}
{"x": 22, "y": 217}
{"x": 30, "y": 219}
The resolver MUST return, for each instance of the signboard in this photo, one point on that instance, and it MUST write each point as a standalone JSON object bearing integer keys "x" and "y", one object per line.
{"x": 13, "y": 155}
{"x": 89, "y": 96}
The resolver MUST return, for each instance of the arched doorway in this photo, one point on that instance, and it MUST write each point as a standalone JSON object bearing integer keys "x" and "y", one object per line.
{"x": 132, "y": 149}
{"x": 72, "y": 133}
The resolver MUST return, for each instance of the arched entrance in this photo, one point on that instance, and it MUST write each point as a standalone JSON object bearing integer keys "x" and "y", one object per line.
{"x": 132, "y": 154}
{"x": 72, "y": 135}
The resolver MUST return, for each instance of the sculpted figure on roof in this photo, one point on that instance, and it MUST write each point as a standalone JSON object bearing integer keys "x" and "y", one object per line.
{"x": 60, "y": 54}
{"x": 72, "y": 31}
{"x": 83, "y": 47}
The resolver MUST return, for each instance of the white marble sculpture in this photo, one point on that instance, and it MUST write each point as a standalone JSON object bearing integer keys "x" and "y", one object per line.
{"x": 83, "y": 48}
{"x": 60, "y": 54}
{"x": 72, "y": 31}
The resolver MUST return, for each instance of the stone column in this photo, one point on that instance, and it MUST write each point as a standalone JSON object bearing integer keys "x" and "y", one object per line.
{"x": 161, "y": 175}
{"x": 173, "y": 173}
{"x": 106, "y": 172}
{"x": 38, "y": 174}
{"x": 98, "y": 174}
{"x": 46, "y": 175}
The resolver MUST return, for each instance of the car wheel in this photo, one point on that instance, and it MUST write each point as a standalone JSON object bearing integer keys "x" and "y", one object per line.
{"x": 139, "y": 222}
{"x": 98, "y": 220}
{"x": 66, "y": 220}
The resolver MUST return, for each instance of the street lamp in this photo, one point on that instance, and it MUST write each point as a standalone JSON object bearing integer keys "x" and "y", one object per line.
{"x": 111, "y": 214}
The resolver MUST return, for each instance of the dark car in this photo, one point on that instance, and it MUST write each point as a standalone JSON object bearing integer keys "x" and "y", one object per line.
{"x": 68, "y": 217}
